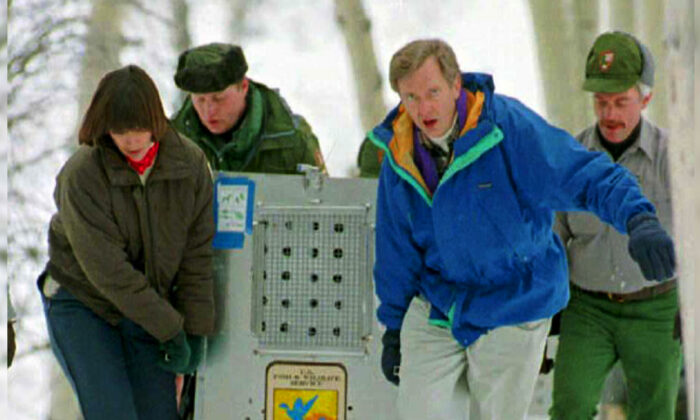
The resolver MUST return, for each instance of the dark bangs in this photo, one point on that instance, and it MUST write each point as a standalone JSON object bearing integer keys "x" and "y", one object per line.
{"x": 125, "y": 100}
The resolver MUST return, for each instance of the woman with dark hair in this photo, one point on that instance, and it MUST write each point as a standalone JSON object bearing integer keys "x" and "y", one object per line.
{"x": 127, "y": 291}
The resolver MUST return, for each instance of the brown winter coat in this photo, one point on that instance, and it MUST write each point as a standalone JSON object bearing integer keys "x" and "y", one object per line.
{"x": 135, "y": 251}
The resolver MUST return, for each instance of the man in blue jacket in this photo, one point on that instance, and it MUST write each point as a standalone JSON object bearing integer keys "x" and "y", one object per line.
{"x": 468, "y": 269}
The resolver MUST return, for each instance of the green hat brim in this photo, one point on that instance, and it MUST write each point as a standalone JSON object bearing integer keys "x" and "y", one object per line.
{"x": 609, "y": 85}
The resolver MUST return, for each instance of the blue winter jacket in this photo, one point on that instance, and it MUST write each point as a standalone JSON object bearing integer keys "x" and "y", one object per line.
{"x": 481, "y": 248}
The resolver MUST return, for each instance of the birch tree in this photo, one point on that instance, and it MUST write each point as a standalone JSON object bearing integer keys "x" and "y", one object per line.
{"x": 181, "y": 37}
{"x": 239, "y": 19}
{"x": 564, "y": 32}
{"x": 651, "y": 33}
{"x": 356, "y": 29}
{"x": 623, "y": 15}
{"x": 683, "y": 93}
{"x": 103, "y": 43}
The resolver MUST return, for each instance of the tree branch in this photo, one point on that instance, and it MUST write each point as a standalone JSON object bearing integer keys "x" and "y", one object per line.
{"x": 148, "y": 12}
{"x": 64, "y": 146}
{"x": 18, "y": 62}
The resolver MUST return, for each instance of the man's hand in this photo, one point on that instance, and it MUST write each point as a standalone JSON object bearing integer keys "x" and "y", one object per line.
{"x": 651, "y": 247}
{"x": 175, "y": 354}
{"x": 391, "y": 355}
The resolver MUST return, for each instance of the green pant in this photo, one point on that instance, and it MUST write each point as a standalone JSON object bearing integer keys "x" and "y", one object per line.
{"x": 595, "y": 333}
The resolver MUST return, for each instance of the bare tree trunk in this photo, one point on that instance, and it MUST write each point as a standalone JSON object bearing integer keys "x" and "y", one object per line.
{"x": 239, "y": 16}
{"x": 103, "y": 43}
{"x": 558, "y": 26}
{"x": 355, "y": 25}
{"x": 181, "y": 37}
{"x": 685, "y": 154}
{"x": 587, "y": 26}
{"x": 623, "y": 14}
{"x": 652, "y": 34}
{"x": 181, "y": 33}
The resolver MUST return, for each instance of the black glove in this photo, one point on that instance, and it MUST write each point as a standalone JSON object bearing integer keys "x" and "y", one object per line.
{"x": 11, "y": 346}
{"x": 651, "y": 247}
{"x": 175, "y": 354}
{"x": 196, "y": 343}
{"x": 546, "y": 365}
{"x": 678, "y": 326}
{"x": 391, "y": 355}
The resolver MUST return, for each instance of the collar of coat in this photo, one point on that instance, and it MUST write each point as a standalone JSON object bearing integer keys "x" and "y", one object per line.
{"x": 644, "y": 141}
{"x": 267, "y": 115}
{"x": 170, "y": 163}
{"x": 477, "y": 135}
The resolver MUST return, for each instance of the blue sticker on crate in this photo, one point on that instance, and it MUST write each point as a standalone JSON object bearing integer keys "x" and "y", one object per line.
{"x": 233, "y": 211}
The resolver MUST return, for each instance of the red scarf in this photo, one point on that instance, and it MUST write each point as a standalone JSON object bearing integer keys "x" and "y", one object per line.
{"x": 146, "y": 161}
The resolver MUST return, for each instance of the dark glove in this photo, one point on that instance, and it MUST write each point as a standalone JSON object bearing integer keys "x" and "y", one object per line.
{"x": 175, "y": 354}
{"x": 651, "y": 247}
{"x": 196, "y": 343}
{"x": 11, "y": 346}
{"x": 546, "y": 365}
{"x": 678, "y": 326}
{"x": 391, "y": 355}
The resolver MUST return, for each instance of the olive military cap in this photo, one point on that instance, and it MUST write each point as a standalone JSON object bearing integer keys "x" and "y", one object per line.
{"x": 616, "y": 62}
{"x": 210, "y": 68}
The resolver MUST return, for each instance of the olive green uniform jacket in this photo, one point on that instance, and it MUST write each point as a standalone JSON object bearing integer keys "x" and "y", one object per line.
{"x": 369, "y": 159}
{"x": 269, "y": 138}
{"x": 138, "y": 251}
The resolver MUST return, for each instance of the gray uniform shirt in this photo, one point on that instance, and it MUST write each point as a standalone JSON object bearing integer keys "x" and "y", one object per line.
{"x": 597, "y": 253}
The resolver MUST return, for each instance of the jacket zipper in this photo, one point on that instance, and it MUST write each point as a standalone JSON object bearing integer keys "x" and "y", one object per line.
{"x": 149, "y": 249}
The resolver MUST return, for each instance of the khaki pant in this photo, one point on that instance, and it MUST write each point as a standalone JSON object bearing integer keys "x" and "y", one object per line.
{"x": 494, "y": 378}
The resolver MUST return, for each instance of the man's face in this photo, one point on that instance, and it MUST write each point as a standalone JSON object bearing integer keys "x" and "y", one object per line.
{"x": 430, "y": 99}
{"x": 220, "y": 111}
{"x": 619, "y": 113}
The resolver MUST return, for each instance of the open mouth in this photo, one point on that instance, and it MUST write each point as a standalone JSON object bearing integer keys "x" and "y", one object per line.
{"x": 612, "y": 126}
{"x": 430, "y": 123}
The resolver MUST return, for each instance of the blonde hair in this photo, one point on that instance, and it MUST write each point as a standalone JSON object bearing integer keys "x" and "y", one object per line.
{"x": 412, "y": 55}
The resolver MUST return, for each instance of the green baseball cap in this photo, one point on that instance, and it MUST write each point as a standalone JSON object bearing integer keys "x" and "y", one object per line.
{"x": 210, "y": 68}
{"x": 616, "y": 62}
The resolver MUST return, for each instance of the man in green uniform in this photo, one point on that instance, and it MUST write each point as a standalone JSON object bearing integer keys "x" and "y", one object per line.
{"x": 615, "y": 313}
{"x": 241, "y": 125}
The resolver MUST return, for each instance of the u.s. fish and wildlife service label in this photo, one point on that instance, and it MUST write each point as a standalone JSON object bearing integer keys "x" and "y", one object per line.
{"x": 305, "y": 391}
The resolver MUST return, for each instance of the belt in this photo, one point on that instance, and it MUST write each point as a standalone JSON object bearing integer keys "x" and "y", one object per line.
{"x": 645, "y": 293}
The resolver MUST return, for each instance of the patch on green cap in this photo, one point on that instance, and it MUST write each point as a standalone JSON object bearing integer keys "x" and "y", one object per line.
{"x": 210, "y": 68}
{"x": 614, "y": 64}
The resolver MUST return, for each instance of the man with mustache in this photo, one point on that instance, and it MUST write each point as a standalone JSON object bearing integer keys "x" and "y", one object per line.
{"x": 615, "y": 314}
{"x": 240, "y": 124}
